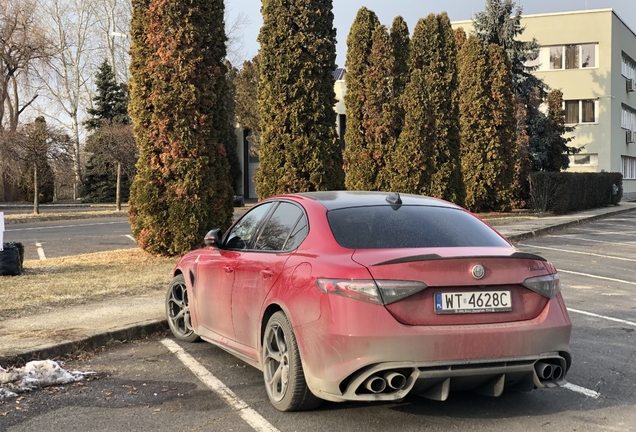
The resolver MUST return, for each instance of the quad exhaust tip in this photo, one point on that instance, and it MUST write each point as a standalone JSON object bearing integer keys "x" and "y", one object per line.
{"x": 390, "y": 379}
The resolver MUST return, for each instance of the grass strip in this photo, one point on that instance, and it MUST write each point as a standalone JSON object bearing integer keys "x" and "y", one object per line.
{"x": 66, "y": 281}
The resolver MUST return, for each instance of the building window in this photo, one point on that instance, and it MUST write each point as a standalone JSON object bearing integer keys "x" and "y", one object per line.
{"x": 628, "y": 168}
{"x": 580, "y": 111}
{"x": 582, "y": 160}
{"x": 628, "y": 66}
{"x": 566, "y": 57}
{"x": 628, "y": 118}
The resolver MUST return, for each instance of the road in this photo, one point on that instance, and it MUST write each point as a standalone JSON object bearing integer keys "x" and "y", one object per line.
{"x": 71, "y": 237}
{"x": 143, "y": 385}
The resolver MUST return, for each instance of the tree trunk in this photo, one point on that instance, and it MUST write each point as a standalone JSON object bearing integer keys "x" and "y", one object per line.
{"x": 36, "y": 201}
{"x": 118, "y": 190}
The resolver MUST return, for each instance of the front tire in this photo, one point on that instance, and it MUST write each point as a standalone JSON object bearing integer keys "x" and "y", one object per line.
{"x": 282, "y": 368}
{"x": 178, "y": 310}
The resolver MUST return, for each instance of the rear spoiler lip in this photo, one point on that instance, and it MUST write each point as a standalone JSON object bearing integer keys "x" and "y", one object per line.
{"x": 435, "y": 257}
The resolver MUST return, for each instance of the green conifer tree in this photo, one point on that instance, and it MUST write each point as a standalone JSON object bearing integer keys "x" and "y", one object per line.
{"x": 111, "y": 106}
{"x": 410, "y": 166}
{"x": 477, "y": 130}
{"x": 359, "y": 41}
{"x": 504, "y": 144}
{"x": 300, "y": 150}
{"x": 434, "y": 51}
{"x": 558, "y": 150}
{"x": 178, "y": 105}
{"x": 400, "y": 43}
{"x": 111, "y": 99}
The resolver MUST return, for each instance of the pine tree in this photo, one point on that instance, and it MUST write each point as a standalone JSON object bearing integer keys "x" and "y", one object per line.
{"x": 499, "y": 25}
{"x": 477, "y": 130}
{"x": 359, "y": 41}
{"x": 504, "y": 145}
{"x": 111, "y": 100}
{"x": 299, "y": 149}
{"x": 433, "y": 51}
{"x": 178, "y": 105}
{"x": 111, "y": 107}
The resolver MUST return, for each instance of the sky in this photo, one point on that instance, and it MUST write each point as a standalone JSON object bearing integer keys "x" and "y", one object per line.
{"x": 412, "y": 10}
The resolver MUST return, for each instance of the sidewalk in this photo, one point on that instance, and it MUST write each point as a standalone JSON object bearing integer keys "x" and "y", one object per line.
{"x": 91, "y": 325}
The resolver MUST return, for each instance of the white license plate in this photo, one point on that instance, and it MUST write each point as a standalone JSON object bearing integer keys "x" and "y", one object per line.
{"x": 472, "y": 302}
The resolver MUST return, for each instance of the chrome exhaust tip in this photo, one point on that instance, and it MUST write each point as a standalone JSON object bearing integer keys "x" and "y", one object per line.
{"x": 395, "y": 380}
{"x": 557, "y": 372}
{"x": 544, "y": 370}
{"x": 375, "y": 384}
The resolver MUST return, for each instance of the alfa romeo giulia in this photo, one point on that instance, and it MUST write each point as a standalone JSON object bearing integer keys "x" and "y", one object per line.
{"x": 371, "y": 296}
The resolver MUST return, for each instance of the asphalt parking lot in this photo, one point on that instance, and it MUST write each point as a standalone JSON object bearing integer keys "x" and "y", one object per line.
{"x": 152, "y": 384}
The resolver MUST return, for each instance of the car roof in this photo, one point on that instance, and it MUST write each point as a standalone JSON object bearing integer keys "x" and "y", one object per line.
{"x": 333, "y": 200}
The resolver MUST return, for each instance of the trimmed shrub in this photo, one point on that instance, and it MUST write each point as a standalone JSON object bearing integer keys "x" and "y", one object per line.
{"x": 564, "y": 192}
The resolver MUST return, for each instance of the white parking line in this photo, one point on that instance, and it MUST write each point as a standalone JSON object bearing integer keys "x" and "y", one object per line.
{"x": 40, "y": 251}
{"x": 129, "y": 236}
{"x": 254, "y": 419}
{"x": 570, "y": 237}
{"x": 577, "y": 252}
{"x": 582, "y": 390}
{"x": 631, "y": 323}
{"x": 597, "y": 277}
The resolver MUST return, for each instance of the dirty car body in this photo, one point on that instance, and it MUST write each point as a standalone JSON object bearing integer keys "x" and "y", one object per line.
{"x": 384, "y": 296}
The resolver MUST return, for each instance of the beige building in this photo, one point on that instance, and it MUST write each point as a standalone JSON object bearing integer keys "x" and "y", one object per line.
{"x": 591, "y": 57}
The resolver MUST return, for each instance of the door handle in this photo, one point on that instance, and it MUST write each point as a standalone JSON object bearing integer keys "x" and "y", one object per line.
{"x": 229, "y": 270}
{"x": 267, "y": 274}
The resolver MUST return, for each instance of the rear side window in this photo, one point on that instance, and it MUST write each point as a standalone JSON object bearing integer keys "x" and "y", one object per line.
{"x": 377, "y": 227}
{"x": 281, "y": 228}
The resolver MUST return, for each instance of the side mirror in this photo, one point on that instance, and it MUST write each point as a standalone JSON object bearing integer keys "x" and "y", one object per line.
{"x": 213, "y": 238}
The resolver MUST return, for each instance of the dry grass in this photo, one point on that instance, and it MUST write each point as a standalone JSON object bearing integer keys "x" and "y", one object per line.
{"x": 80, "y": 279}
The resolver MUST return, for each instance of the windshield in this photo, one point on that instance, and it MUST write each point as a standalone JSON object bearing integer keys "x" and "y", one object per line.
{"x": 376, "y": 227}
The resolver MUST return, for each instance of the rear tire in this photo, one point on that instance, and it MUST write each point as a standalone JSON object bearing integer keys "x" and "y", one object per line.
{"x": 282, "y": 368}
{"x": 178, "y": 311}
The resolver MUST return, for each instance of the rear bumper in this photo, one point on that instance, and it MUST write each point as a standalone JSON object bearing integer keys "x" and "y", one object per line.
{"x": 354, "y": 341}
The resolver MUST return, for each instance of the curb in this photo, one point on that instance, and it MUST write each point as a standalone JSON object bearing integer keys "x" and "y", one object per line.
{"x": 542, "y": 231}
{"x": 135, "y": 331}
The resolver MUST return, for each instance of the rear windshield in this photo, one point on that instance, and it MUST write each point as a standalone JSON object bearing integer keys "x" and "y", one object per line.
{"x": 377, "y": 227}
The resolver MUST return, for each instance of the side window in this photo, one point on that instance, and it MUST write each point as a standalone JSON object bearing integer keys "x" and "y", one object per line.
{"x": 241, "y": 233}
{"x": 279, "y": 228}
{"x": 298, "y": 234}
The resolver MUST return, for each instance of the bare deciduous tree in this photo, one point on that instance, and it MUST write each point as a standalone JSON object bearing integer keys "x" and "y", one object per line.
{"x": 21, "y": 43}
{"x": 66, "y": 75}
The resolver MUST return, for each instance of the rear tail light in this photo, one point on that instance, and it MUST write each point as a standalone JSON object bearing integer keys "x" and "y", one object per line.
{"x": 547, "y": 285}
{"x": 379, "y": 292}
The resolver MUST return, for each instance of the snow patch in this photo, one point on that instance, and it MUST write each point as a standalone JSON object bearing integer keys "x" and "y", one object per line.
{"x": 35, "y": 374}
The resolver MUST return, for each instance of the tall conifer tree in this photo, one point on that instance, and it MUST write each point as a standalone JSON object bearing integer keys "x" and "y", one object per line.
{"x": 359, "y": 41}
{"x": 400, "y": 43}
{"x": 504, "y": 144}
{"x": 178, "y": 106}
{"x": 111, "y": 107}
{"x": 299, "y": 149}
{"x": 410, "y": 166}
{"x": 477, "y": 131}
{"x": 488, "y": 127}
{"x": 434, "y": 52}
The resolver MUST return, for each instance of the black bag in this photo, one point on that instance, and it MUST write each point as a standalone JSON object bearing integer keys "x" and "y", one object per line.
{"x": 11, "y": 259}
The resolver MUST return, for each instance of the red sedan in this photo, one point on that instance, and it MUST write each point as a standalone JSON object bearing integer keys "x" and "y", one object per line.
{"x": 371, "y": 296}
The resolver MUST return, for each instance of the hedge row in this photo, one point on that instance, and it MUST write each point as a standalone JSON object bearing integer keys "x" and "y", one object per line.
{"x": 564, "y": 192}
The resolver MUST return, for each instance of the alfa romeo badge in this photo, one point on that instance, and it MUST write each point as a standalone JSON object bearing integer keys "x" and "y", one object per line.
{"x": 478, "y": 272}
